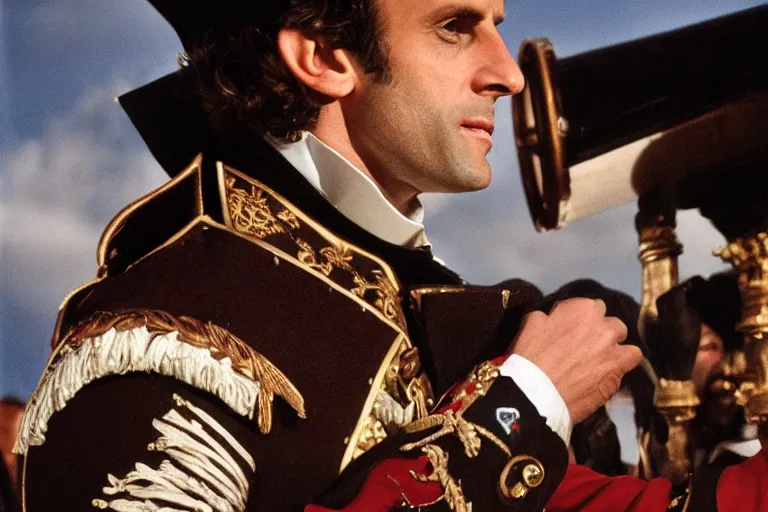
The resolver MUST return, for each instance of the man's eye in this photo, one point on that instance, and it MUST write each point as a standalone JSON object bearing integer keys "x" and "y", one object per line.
{"x": 454, "y": 31}
{"x": 450, "y": 26}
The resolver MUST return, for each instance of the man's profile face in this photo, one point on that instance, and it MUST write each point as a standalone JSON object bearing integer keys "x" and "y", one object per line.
{"x": 429, "y": 129}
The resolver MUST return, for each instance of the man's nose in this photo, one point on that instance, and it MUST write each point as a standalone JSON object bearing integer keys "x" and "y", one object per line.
{"x": 498, "y": 75}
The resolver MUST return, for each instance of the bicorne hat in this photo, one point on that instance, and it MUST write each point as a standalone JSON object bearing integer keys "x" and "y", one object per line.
{"x": 193, "y": 19}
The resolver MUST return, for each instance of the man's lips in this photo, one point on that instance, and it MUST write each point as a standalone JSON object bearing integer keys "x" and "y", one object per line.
{"x": 479, "y": 127}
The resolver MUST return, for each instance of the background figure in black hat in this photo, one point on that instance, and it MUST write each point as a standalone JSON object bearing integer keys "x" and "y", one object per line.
{"x": 274, "y": 315}
{"x": 595, "y": 442}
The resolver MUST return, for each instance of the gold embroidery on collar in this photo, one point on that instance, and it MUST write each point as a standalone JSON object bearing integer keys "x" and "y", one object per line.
{"x": 252, "y": 209}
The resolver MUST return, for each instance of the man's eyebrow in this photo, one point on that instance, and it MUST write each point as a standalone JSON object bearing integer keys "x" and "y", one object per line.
{"x": 462, "y": 9}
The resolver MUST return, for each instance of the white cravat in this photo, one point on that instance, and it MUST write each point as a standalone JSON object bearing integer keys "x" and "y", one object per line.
{"x": 359, "y": 199}
{"x": 353, "y": 193}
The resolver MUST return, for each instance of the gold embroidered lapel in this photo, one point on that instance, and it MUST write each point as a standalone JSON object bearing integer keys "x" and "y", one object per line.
{"x": 257, "y": 212}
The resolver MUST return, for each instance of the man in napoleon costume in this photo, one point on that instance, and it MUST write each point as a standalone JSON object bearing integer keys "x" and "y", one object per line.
{"x": 270, "y": 330}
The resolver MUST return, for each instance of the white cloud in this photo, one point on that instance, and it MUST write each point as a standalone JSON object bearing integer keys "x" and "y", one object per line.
{"x": 59, "y": 193}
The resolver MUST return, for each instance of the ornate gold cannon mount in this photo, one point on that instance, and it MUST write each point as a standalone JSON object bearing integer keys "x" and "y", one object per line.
{"x": 676, "y": 400}
{"x": 749, "y": 257}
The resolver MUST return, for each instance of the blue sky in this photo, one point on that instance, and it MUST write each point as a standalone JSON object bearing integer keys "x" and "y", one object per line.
{"x": 69, "y": 159}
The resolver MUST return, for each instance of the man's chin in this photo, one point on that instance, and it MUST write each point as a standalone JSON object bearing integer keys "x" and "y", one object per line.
{"x": 455, "y": 179}
{"x": 477, "y": 182}
{"x": 483, "y": 176}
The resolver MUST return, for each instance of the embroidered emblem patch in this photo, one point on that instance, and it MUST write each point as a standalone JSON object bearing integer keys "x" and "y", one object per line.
{"x": 507, "y": 417}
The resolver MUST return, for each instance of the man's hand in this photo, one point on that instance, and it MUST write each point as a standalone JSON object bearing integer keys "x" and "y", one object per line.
{"x": 579, "y": 349}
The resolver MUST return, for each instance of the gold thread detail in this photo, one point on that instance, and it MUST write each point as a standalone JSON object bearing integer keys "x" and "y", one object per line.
{"x": 453, "y": 423}
{"x": 418, "y": 293}
{"x": 452, "y": 491}
{"x": 221, "y": 344}
{"x": 404, "y": 383}
{"x": 248, "y": 212}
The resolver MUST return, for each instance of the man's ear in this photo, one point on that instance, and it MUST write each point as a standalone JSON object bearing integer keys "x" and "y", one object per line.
{"x": 329, "y": 72}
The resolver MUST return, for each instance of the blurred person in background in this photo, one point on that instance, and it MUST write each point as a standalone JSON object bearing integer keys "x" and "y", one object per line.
{"x": 721, "y": 435}
{"x": 11, "y": 412}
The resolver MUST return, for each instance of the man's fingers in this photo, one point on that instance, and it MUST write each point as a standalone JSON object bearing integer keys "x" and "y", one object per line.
{"x": 561, "y": 303}
{"x": 601, "y": 307}
{"x": 618, "y": 327}
{"x": 609, "y": 385}
{"x": 628, "y": 357}
{"x": 533, "y": 317}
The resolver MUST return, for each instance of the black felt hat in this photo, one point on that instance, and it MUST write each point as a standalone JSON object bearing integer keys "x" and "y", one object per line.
{"x": 717, "y": 300}
{"x": 193, "y": 19}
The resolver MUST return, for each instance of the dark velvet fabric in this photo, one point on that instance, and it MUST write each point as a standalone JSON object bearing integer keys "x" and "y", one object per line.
{"x": 446, "y": 322}
{"x": 105, "y": 429}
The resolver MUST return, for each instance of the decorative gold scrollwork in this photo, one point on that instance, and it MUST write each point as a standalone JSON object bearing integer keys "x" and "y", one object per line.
{"x": 255, "y": 211}
{"x": 250, "y": 213}
{"x": 749, "y": 257}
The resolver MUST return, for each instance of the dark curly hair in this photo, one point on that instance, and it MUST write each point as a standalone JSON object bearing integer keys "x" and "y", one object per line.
{"x": 240, "y": 76}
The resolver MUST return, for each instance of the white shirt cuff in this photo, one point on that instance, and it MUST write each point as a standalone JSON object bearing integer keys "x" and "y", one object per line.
{"x": 542, "y": 393}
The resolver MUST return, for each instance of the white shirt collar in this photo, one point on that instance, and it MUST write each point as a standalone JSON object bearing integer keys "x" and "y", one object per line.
{"x": 744, "y": 448}
{"x": 352, "y": 192}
